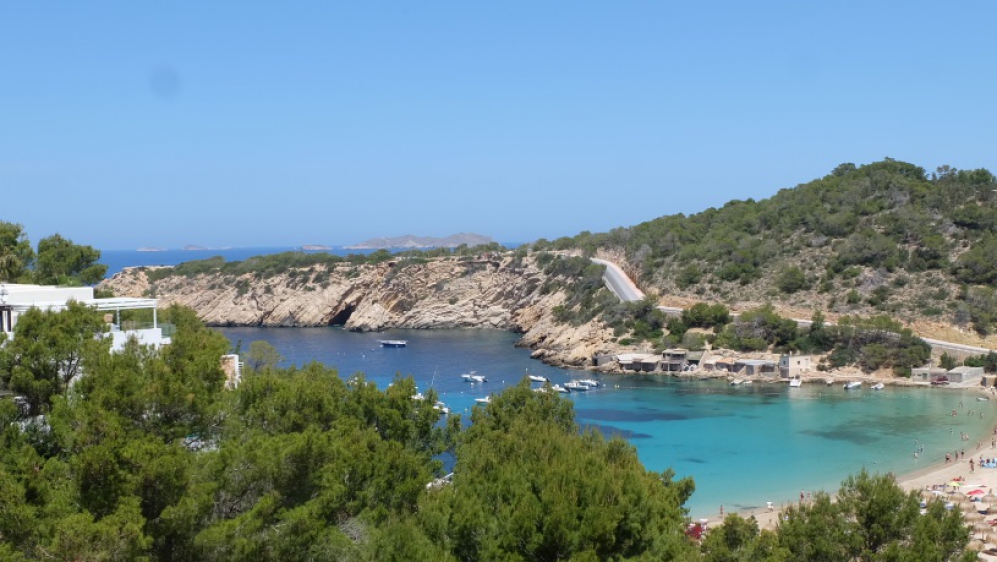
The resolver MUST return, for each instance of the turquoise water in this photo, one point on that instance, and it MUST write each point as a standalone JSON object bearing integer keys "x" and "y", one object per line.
{"x": 743, "y": 445}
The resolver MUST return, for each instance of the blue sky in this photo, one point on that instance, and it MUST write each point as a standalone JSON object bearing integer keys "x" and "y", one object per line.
{"x": 125, "y": 124}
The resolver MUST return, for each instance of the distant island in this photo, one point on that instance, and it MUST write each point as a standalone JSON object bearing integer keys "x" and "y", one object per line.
{"x": 150, "y": 249}
{"x": 316, "y": 247}
{"x": 410, "y": 241}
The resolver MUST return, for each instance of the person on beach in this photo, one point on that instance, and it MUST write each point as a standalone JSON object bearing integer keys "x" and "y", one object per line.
{"x": 971, "y": 466}
{"x": 721, "y": 512}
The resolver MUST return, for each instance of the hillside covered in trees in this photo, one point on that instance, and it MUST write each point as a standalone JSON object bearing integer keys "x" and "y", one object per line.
{"x": 883, "y": 238}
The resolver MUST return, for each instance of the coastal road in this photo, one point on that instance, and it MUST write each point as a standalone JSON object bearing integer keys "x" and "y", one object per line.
{"x": 619, "y": 282}
{"x": 624, "y": 288}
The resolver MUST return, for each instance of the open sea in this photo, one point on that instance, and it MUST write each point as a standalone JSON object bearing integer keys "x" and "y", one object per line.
{"x": 743, "y": 445}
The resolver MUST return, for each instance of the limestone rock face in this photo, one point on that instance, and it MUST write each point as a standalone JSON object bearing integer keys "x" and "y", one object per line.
{"x": 445, "y": 293}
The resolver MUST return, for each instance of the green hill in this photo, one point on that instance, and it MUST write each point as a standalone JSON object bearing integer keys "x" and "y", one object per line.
{"x": 886, "y": 237}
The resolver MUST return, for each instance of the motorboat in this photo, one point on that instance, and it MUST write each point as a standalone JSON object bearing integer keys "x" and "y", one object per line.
{"x": 393, "y": 343}
{"x": 982, "y": 399}
{"x": 485, "y": 400}
{"x": 576, "y": 386}
{"x": 537, "y": 378}
{"x": 795, "y": 383}
{"x": 418, "y": 396}
{"x": 736, "y": 382}
{"x": 853, "y": 385}
{"x": 441, "y": 407}
{"x": 748, "y": 381}
{"x": 829, "y": 382}
{"x": 878, "y": 386}
{"x": 473, "y": 377}
{"x": 591, "y": 383}
{"x": 559, "y": 388}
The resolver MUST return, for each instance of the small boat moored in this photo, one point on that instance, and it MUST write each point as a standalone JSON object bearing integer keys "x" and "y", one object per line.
{"x": 852, "y": 385}
{"x": 878, "y": 386}
{"x": 393, "y": 343}
{"x": 473, "y": 377}
{"x": 485, "y": 400}
{"x": 537, "y": 378}
{"x": 576, "y": 386}
{"x": 795, "y": 383}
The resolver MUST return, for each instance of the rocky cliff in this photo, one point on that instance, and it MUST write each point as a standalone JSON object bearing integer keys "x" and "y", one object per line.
{"x": 501, "y": 293}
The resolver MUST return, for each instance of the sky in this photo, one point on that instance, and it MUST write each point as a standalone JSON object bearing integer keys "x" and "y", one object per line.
{"x": 127, "y": 124}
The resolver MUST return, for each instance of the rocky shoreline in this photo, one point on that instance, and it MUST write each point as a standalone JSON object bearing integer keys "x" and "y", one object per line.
{"x": 485, "y": 292}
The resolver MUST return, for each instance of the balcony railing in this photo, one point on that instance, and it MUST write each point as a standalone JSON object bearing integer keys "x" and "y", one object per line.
{"x": 130, "y": 326}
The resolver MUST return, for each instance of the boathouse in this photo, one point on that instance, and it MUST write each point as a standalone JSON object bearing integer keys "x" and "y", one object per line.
{"x": 928, "y": 374}
{"x": 965, "y": 374}
{"x": 792, "y": 366}
{"x": 673, "y": 360}
{"x": 754, "y": 367}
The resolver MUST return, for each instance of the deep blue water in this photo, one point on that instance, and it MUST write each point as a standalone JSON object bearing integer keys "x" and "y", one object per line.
{"x": 743, "y": 445}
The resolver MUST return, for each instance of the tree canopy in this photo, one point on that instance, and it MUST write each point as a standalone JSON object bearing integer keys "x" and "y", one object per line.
{"x": 58, "y": 260}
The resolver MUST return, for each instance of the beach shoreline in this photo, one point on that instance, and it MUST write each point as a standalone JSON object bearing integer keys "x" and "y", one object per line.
{"x": 938, "y": 472}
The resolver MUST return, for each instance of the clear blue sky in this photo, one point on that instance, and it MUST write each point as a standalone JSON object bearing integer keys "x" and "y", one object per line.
{"x": 125, "y": 124}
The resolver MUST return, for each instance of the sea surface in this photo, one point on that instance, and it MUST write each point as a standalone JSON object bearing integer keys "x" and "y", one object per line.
{"x": 743, "y": 445}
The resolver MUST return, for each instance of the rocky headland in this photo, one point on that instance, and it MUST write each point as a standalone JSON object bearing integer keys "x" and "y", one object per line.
{"x": 499, "y": 293}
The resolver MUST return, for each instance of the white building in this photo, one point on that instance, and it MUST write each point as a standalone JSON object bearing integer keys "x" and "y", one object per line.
{"x": 16, "y": 299}
{"x": 792, "y": 366}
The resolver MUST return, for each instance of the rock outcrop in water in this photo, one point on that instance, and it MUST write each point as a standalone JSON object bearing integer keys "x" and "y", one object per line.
{"x": 502, "y": 293}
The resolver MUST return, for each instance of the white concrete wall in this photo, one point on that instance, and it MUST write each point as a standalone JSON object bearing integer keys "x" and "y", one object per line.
{"x": 148, "y": 336}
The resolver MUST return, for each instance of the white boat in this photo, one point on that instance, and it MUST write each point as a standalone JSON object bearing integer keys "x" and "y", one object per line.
{"x": 736, "y": 382}
{"x": 559, "y": 388}
{"x": 537, "y": 378}
{"x": 829, "y": 382}
{"x": 795, "y": 383}
{"x": 878, "y": 386}
{"x": 591, "y": 383}
{"x": 982, "y": 399}
{"x": 748, "y": 381}
{"x": 441, "y": 407}
{"x": 473, "y": 377}
{"x": 540, "y": 389}
{"x": 576, "y": 386}
{"x": 393, "y": 343}
{"x": 418, "y": 396}
{"x": 485, "y": 400}
{"x": 853, "y": 385}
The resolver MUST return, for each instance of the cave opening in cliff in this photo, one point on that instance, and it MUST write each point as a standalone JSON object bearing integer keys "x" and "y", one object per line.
{"x": 343, "y": 316}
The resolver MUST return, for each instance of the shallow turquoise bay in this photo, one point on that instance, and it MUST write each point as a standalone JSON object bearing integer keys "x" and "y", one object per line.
{"x": 743, "y": 445}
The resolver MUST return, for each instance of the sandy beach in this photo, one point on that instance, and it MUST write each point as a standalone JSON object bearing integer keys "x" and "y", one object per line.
{"x": 937, "y": 475}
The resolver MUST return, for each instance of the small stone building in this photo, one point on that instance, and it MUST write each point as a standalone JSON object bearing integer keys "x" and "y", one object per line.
{"x": 792, "y": 366}
{"x": 965, "y": 374}
{"x": 928, "y": 374}
{"x": 754, "y": 367}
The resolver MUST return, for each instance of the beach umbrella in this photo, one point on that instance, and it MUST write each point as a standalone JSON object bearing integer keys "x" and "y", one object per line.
{"x": 974, "y": 516}
{"x": 976, "y": 492}
{"x": 957, "y": 497}
{"x": 976, "y": 544}
{"x": 990, "y": 498}
{"x": 982, "y": 527}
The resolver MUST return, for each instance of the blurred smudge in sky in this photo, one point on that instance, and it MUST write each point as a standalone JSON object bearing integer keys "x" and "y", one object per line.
{"x": 164, "y": 82}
